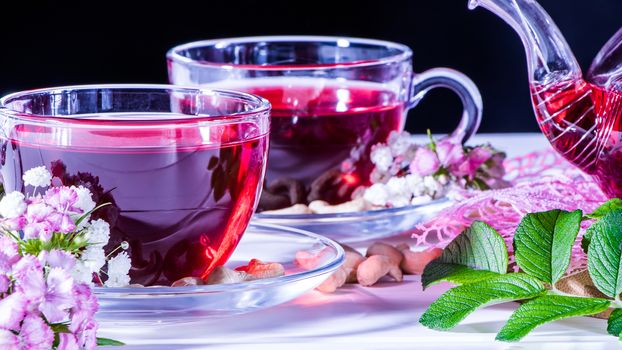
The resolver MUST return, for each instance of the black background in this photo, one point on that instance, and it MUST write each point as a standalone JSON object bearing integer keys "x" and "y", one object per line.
{"x": 50, "y": 43}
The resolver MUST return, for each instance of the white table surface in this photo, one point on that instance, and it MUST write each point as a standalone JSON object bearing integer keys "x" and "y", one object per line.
{"x": 380, "y": 317}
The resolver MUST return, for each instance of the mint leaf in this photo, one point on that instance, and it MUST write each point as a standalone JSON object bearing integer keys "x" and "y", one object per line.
{"x": 457, "y": 303}
{"x": 614, "y": 324}
{"x": 543, "y": 243}
{"x": 605, "y": 208}
{"x": 454, "y": 273}
{"x": 604, "y": 256}
{"x": 108, "y": 342}
{"x": 479, "y": 247}
{"x": 585, "y": 241}
{"x": 545, "y": 309}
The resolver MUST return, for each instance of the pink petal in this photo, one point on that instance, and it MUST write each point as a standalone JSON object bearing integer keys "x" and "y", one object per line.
{"x": 58, "y": 297}
{"x": 68, "y": 341}
{"x": 8, "y": 340}
{"x": 62, "y": 259}
{"x": 36, "y": 334}
{"x": 12, "y": 311}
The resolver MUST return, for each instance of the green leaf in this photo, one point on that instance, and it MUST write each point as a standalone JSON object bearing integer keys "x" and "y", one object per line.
{"x": 545, "y": 309}
{"x": 585, "y": 241}
{"x": 454, "y": 273}
{"x": 614, "y": 324}
{"x": 604, "y": 256}
{"x": 543, "y": 243}
{"x": 457, "y": 303}
{"x": 605, "y": 208}
{"x": 479, "y": 247}
{"x": 108, "y": 342}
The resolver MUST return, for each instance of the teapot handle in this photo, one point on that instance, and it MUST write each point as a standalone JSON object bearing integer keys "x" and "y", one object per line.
{"x": 461, "y": 85}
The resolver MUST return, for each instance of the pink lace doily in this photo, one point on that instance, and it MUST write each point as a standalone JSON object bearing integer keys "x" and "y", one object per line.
{"x": 541, "y": 181}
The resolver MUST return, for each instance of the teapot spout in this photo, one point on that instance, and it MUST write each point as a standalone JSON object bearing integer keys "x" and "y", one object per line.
{"x": 561, "y": 98}
{"x": 548, "y": 55}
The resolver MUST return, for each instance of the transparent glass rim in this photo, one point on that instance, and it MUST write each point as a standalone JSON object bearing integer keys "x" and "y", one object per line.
{"x": 258, "y": 106}
{"x": 405, "y": 52}
{"x": 324, "y": 268}
{"x": 348, "y": 216}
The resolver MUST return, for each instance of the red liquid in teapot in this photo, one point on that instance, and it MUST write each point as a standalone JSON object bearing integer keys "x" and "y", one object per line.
{"x": 316, "y": 129}
{"x": 583, "y": 123}
{"x": 182, "y": 209}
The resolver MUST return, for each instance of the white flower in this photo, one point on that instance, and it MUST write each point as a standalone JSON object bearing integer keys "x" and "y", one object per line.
{"x": 398, "y": 186}
{"x": 399, "y": 192}
{"x": 377, "y": 194}
{"x": 118, "y": 269}
{"x": 94, "y": 258}
{"x": 433, "y": 187}
{"x": 400, "y": 143}
{"x": 420, "y": 200}
{"x": 98, "y": 233}
{"x": 12, "y": 205}
{"x": 85, "y": 199}
{"x": 381, "y": 157}
{"x": 81, "y": 273}
{"x": 415, "y": 184}
{"x": 37, "y": 177}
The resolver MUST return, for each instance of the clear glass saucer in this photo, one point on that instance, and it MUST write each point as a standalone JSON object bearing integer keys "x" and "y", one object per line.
{"x": 270, "y": 243}
{"x": 359, "y": 226}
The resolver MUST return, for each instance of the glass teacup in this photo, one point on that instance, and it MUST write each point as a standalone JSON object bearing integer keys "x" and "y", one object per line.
{"x": 332, "y": 100}
{"x": 182, "y": 167}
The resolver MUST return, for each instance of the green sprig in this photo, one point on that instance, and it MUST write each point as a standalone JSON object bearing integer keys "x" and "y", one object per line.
{"x": 477, "y": 259}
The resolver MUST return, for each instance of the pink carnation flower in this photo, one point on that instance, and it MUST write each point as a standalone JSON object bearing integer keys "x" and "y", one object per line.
{"x": 61, "y": 198}
{"x": 12, "y": 311}
{"x": 425, "y": 162}
{"x": 474, "y": 160}
{"x": 449, "y": 152}
{"x": 34, "y": 335}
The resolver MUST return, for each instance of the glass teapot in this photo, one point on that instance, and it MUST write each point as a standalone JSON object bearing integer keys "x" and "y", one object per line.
{"x": 579, "y": 114}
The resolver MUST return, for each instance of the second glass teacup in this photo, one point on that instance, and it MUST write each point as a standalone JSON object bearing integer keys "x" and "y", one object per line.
{"x": 332, "y": 100}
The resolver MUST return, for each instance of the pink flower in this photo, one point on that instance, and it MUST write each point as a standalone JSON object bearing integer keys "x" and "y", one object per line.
{"x": 425, "y": 162}
{"x": 36, "y": 334}
{"x": 8, "y": 247}
{"x": 61, "y": 222}
{"x": 83, "y": 323}
{"x": 29, "y": 281}
{"x": 58, "y": 297}
{"x": 12, "y": 311}
{"x": 5, "y": 283}
{"x": 8, "y": 340}
{"x": 14, "y": 224}
{"x": 61, "y": 198}
{"x": 474, "y": 160}
{"x": 87, "y": 336}
{"x": 449, "y": 152}
{"x": 38, "y": 230}
{"x": 61, "y": 259}
{"x": 67, "y": 341}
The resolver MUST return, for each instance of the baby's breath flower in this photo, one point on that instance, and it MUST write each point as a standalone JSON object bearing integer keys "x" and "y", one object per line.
{"x": 81, "y": 273}
{"x": 377, "y": 194}
{"x": 12, "y": 205}
{"x": 37, "y": 177}
{"x": 98, "y": 233}
{"x": 381, "y": 156}
{"x": 94, "y": 258}
{"x": 118, "y": 269}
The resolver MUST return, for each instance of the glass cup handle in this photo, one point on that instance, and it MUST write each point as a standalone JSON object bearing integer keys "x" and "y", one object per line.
{"x": 461, "y": 85}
